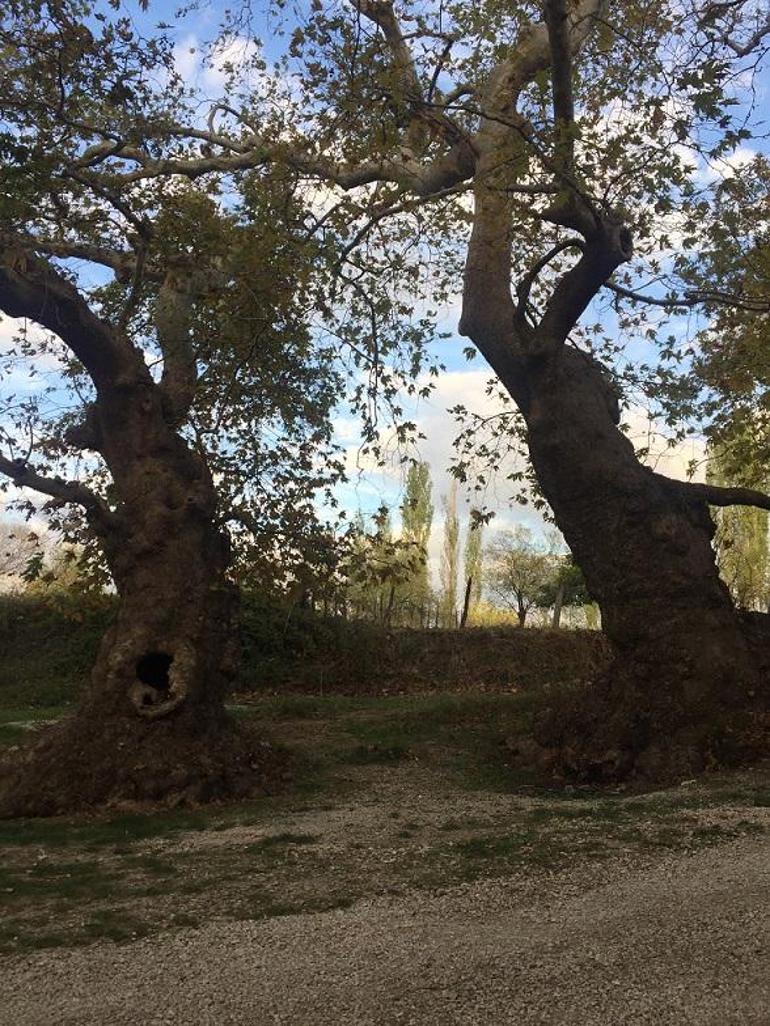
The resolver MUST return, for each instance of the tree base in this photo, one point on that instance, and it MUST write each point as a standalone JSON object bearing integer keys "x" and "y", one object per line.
{"x": 79, "y": 765}
{"x": 617, "y": 731}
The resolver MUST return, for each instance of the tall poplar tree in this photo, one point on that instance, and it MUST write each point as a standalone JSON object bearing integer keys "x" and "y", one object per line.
{"x": 450, "y": 559}
{"x": 416, "y": 522}
{"x": 473, "y": 568}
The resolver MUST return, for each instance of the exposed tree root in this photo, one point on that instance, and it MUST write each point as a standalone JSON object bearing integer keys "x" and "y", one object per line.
{"x": 621, "y": 729}
{"x": 82, "y": 765}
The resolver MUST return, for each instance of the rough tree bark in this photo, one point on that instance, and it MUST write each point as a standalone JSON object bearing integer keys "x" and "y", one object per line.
{"x": 151, "y": 724}
{"x": 684, "y": 691}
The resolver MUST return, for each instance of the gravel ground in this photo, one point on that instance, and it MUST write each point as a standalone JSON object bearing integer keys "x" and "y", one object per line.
{"x": 682, "y": 939}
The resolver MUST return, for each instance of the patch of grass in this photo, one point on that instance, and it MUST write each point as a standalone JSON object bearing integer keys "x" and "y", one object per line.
{"x": 262, "y": 904}
{"x": 99, "y": 832}
{"x": 152, "y": 865}
{"x": 12, "y": 734}
{"x": 500, "y": 847}
{"x": 69, "y": 881}
{"x": 31, "y": 714}
{"x": 184, "y": 919}
{"x": 456, "y": 823}
{"x": 610, "y": 811}
{"x": 116, "y": 925}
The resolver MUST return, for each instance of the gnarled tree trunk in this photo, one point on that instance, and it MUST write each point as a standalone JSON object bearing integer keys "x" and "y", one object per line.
{"x": 151, "y": 724}
{"x": 684, "y": 691}
{"x": 679, "y": 694}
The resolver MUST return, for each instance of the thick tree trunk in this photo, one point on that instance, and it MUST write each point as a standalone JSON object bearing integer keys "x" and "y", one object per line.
{"x": 151, "y": 725}
{"x": 685, "y": 682}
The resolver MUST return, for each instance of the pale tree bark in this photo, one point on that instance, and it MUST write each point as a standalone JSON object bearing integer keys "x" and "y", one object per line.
{"x": 557, "y": 605}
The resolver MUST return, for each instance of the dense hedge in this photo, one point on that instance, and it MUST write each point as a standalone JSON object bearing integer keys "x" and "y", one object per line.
{"x": 307, "y": 653}
{"x": 47, "y": 650}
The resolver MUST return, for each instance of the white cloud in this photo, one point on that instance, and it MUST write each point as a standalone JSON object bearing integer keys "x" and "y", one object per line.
{"x": 232, "y": 57}
{"x": 725, "y": 167}
{"x": 372, "y": 486}
{"x": 682, "y": 459}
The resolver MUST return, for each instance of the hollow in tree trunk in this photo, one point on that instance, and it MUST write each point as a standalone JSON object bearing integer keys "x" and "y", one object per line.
{"x": 151, "y": 724}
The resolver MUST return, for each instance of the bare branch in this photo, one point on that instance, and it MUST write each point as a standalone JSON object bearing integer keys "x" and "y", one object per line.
{"x": 524, "y": 287}
{"x": 744, "y": 49}
{"x": 420, "y": 201}
{"x": 693, "y": 297}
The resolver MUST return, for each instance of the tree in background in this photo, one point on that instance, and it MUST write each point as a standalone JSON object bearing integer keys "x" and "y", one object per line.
{"x": 741, "y": 538}
{"x": 474, "y": 559}
{"x": 416, "y": 520}
{"x": 450, "y": 560}
{"x": 19, "y": 546}
{"x": 737, "y": 408}
{"x": 518, "y": 571}
{"x": 564, "y": 587}
{"x": 374, "y": 571}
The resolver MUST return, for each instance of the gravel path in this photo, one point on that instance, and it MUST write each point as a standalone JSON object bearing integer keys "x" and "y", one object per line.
{"x": 683, "y": 940}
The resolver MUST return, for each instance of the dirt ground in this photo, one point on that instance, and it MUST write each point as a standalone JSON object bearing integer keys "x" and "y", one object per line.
{"x": 410, "y": 899}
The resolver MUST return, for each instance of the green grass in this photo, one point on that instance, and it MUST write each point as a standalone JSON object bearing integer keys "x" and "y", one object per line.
{"x": 100, "y": 832}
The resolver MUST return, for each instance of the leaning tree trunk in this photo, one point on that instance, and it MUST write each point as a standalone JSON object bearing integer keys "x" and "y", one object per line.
{"x": 151, "y": 724}
{"x": 684, "y": 687}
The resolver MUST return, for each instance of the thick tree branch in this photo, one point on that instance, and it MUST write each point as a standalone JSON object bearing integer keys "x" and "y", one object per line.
{"x": 556, "y": 19}
{"x": 717, "y": 495}
{"x": 609, "y": 248}
{"x": 173, "y": 316}
{"x": 489, "y": 315}
{"x": 122, "y": 262}
{"x": 32, "y": 288}
{"x": 381, "y": 13}
{"x": 424, "y": 113}
{"x": 23, "y": 476}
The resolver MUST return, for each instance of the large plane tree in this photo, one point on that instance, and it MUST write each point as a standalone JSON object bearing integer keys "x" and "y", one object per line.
{"x": 163, "y": 393}
{"x": 578, "y": 140}
{"x": 561, "y": 151}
